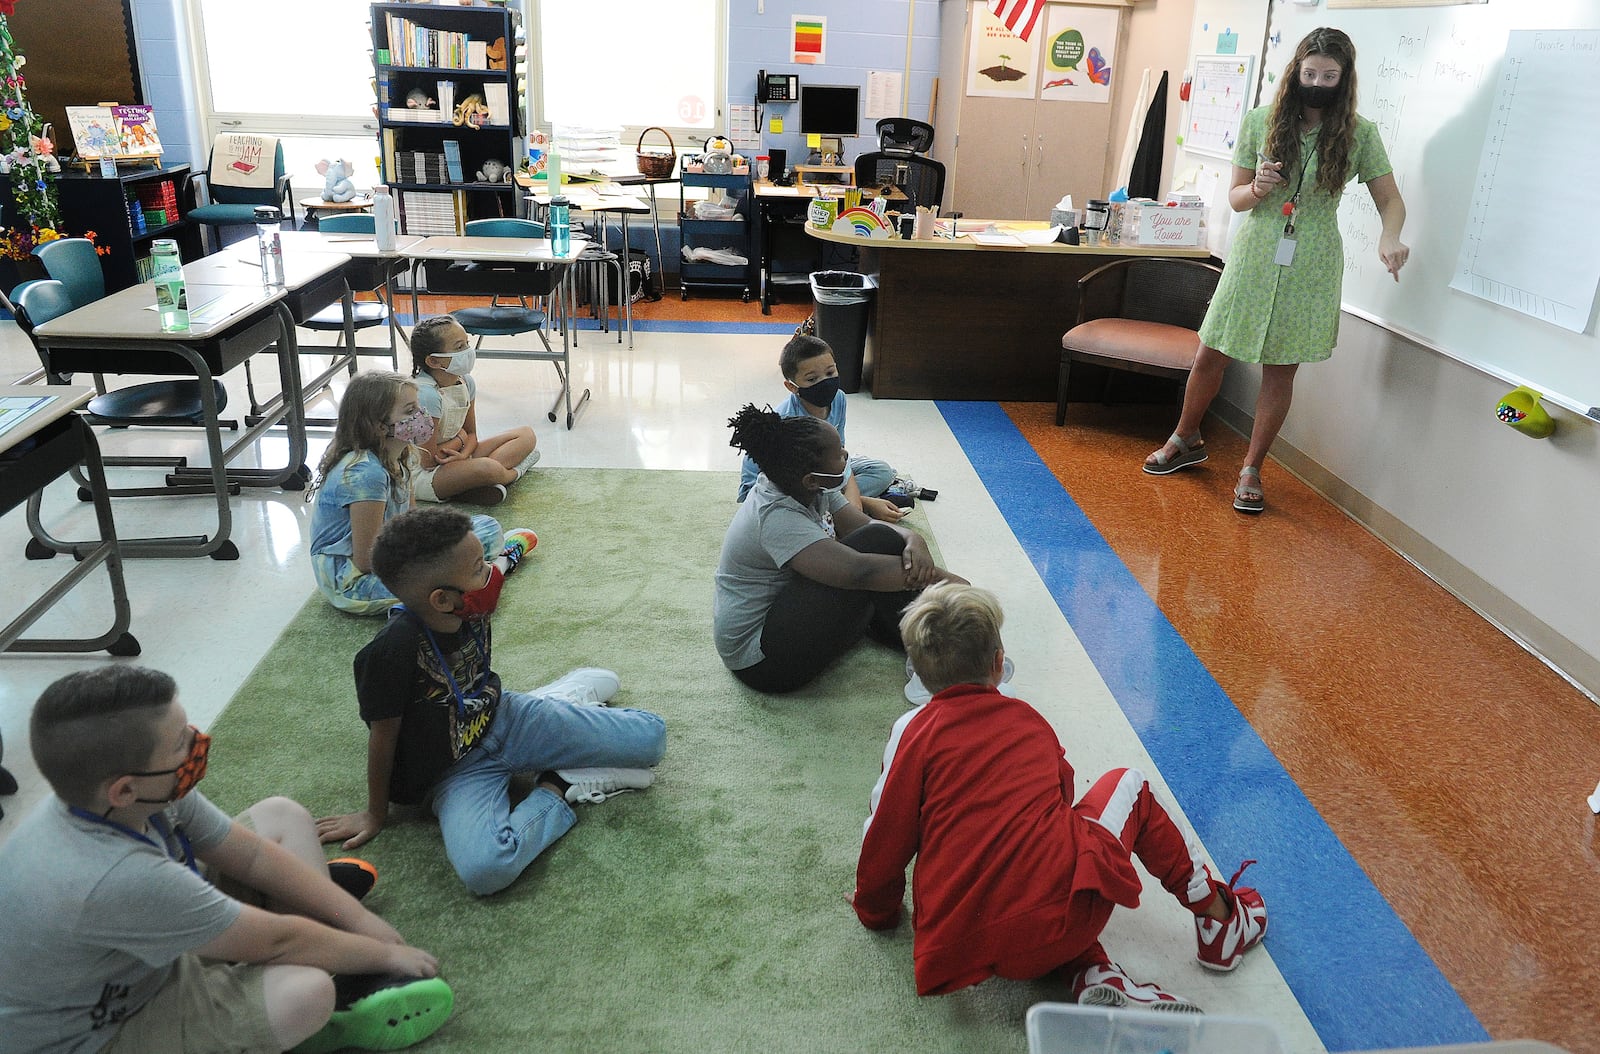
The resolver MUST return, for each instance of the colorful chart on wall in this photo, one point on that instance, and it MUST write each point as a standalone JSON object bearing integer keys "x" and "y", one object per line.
{"x": 810, "y": 36}
{"x": 1000, "y": 64}
{"x": 1079, "y": 44}
{"x": 1219, "y": 98}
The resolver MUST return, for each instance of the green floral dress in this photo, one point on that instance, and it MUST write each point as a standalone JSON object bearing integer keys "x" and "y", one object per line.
{"x": 1263, "y": 312}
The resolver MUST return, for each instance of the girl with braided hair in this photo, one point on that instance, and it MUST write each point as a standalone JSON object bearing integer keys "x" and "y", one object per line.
{"x": 804, "y": 574}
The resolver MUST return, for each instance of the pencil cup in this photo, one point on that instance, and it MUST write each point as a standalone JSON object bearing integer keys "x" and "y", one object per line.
{"x": 1521, "y": 410}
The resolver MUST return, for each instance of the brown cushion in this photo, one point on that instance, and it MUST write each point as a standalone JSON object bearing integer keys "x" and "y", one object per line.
{"x": 1152, "y": 343}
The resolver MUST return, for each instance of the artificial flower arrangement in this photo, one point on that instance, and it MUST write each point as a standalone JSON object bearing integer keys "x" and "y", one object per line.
{"x": 18, "y": 243}
{"x": 25, "y": 150}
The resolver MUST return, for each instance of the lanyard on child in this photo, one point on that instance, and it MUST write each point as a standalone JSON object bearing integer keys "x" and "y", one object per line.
{"x": 449, "y": 677}
{"x": 158, "y": 823}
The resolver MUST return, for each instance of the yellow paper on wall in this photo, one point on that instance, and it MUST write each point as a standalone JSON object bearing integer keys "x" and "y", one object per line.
{"x": 775, "y": 126}
{"x": 814, "y": 142}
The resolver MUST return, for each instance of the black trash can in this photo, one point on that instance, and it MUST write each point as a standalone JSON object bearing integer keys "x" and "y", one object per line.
{"x": 843, "y": 300}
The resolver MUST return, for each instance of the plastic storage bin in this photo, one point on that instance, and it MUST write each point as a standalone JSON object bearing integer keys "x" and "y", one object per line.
{"x": 1065, "y": 1028}
{"x": 844, "y": 301}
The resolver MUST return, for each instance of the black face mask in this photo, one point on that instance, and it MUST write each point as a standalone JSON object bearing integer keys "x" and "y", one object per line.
{"x": 820, "y": 394}
{"x": 1318, "y": 96}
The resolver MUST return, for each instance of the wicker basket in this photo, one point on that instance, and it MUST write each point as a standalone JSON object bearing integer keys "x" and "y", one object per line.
{"x": 654, "y": 165}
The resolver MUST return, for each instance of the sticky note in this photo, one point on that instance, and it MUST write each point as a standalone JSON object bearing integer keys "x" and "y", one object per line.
{"x": 814, "y": 141}
{"x": 775, "y": 126}
{"x": 1227, "y": 43}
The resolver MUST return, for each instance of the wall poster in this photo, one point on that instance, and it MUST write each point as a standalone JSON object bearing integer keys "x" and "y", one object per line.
{"x": 1000, "y": 64}
{"x": 1080, "y": 43}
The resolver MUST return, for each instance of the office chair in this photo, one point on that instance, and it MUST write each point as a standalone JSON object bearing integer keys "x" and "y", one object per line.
{"x": 232, "y": 206}
{"x": 921, "y": 178}
{"x": 74, "y": 264}
{"x": 1149, "y": 326}
{"x": 904, "y": 135}
{"x": 496, "y": 279}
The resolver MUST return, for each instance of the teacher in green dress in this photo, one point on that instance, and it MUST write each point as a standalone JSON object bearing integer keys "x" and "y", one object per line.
{"x": 1278, "y": 301}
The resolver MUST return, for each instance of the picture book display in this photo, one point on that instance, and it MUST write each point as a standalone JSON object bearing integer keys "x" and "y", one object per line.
{"x": 114, "y": 131}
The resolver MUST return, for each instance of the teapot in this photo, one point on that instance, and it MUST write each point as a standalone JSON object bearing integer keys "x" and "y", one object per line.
{"x": 718, "y": 159}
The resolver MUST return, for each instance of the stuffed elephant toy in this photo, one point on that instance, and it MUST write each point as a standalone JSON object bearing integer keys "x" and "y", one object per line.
{"x": 494, "y": 171}
{"x": 337, "y": 174}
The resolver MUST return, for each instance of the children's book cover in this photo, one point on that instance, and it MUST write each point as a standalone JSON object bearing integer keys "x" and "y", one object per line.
{"x": 94, "y": 132}
{"x": 136, "y": 129}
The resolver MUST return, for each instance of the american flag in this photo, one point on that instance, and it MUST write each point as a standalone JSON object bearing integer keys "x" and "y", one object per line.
{"x": 1019, "y": 16}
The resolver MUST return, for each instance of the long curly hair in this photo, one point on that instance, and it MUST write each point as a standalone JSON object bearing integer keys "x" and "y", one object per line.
{"x": 364, "y": 425}
{"x": 1338, "y": 117}
{"x": 786, "y": 448}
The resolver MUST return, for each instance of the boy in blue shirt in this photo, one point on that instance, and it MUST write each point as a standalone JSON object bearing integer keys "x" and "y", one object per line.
{"x": 812, "y": 378}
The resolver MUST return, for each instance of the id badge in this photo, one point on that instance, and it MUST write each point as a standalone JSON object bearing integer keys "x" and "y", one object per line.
{"x": 1285, "y": 255}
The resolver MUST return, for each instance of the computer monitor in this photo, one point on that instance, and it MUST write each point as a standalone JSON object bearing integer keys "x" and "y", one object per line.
{"x": 830, "y": 109}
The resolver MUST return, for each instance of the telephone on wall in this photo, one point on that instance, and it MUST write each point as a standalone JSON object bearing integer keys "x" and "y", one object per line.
{"x": 777, "y": 87}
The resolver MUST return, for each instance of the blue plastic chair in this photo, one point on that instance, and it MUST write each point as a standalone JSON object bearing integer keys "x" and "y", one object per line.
{"x": 236, "y": 206}
{"x": 495, "y": 279}
{"x": 374, "y": 279}
{"x": 75, "y": 266}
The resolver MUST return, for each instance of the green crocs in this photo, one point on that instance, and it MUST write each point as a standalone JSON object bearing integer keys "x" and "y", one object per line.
{"x": 388, "y": 1019}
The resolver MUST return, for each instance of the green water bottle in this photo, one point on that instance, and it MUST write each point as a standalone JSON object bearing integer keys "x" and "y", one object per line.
{"x": 172, "y": 299}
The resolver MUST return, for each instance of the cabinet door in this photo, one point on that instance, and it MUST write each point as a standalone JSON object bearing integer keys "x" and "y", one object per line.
{"x": 1069, "y": 154}
{"x": 994, "y": 156}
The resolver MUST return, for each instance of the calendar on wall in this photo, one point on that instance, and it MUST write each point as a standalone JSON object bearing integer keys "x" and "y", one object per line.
{"x": 1219, "y": 97}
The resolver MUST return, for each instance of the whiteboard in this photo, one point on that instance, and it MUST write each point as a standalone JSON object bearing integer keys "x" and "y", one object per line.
{"x": 1428, "y": 77}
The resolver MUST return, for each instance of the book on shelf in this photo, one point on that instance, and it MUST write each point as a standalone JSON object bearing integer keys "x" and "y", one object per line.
{"x": 477, "y": 54}
{"x": 452, "y": 161}
{"x": 497, "y": 95}
{"x": 414, "y": 45}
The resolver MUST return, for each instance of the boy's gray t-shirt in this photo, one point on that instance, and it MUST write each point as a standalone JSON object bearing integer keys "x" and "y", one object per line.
{"x": 767, "y": 532}
{"x": 92, "y": 919}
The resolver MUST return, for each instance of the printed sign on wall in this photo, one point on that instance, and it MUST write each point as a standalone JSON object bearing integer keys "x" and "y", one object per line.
{"x": 810, "y": 39}
{"x": 1079, "y": 45}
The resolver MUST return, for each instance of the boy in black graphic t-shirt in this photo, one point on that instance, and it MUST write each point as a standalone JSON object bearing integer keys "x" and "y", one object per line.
{"x": 440, "y": 723}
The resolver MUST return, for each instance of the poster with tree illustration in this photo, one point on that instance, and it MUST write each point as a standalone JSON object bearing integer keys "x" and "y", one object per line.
{"x": 1080, "y": 44}
{"x": 1000, "y": 64}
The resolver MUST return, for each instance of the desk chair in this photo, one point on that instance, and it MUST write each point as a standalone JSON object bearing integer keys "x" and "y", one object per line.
{"x": 37, "y": 303}
{"x": 496, "y": 279}
{"x": 74, "y": 263}
{"x": 904, "y": 135}
{"x": 1140, "y": 316}
{"x": 233, "y": 206}
{"x": 922, "y": 178}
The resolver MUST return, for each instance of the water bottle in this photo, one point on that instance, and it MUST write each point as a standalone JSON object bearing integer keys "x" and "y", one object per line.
{"x": 560, "y": 226}
{"x": 552, "y": 170}
{"x": 172, "y": 300}
{"x": 270, "y": 245}
{"x": 383, "y": 219}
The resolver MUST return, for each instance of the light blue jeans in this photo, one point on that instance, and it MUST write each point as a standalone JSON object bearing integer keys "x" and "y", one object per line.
{"x": 488, "y": 842}
{"x": 872, "y": 476}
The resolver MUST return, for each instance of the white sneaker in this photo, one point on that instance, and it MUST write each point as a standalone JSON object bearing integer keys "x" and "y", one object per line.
{"x": 596, "y": 785}
{"x": 526, "y": 463}
{"x": 585, "y": 686}
{"x": 917, "y": 694}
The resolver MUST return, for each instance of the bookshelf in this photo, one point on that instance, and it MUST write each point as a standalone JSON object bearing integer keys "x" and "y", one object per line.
{"x": 445, "y": 53}
{"x": 107, "y": 206}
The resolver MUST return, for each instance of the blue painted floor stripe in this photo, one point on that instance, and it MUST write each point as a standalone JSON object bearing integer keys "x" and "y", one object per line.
{"x": 667, "y": 326}
{"x": 1360, "y": 975}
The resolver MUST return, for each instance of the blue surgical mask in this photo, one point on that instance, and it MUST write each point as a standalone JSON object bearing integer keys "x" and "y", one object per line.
{"x": 461, "y": 362}
{"x": 820, "y": 394}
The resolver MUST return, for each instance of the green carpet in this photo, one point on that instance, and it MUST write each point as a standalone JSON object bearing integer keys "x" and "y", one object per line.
{"x": 706, "y": 914}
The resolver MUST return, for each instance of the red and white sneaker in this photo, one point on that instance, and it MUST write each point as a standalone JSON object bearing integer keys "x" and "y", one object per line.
{"x": 1223, "y": 944}
{"x": 1107, "y": 985}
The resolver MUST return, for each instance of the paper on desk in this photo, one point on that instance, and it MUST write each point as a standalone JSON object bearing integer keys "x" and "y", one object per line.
{"x": 15, "y": 408}
{"x": 995, "y": 238}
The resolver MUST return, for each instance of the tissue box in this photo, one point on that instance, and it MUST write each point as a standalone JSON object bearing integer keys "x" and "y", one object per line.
{"x": 1063, "y": 217}
{"x": 1166, "y": 226}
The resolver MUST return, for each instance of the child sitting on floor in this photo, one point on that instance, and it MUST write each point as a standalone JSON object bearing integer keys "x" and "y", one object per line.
{"x": 1012, "y": 878}
{"x": 442, "y": 730}
{"x": 365, "y": 480}
{"x": 812, "y": 378}
{"x": 116, "y": 939}
{"x": 455, "y": 462}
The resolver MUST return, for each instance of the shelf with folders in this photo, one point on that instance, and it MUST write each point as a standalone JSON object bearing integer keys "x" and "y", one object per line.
{"x": 449, "y": 111}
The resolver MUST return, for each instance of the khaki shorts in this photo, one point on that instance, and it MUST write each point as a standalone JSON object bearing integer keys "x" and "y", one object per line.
{"x": 204, "y": 1008}
{"x": 422, "y": 484}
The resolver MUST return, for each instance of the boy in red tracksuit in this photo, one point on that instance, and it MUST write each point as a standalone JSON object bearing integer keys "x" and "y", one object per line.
{"x": 1012, "y": 878}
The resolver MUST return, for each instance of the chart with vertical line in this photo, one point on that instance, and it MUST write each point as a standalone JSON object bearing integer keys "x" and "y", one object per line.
{"x": 1218, "y": 101}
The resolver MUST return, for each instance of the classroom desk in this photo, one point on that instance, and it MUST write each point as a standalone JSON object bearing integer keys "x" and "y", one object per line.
{"x": 958, "y": 320}
{"x": 121, "y": 333}
{"x": 42, "y": 447}
{"x": 595, "y": 199}
{"x": 457, "y": 249}
{"x": 626, "y": 179}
